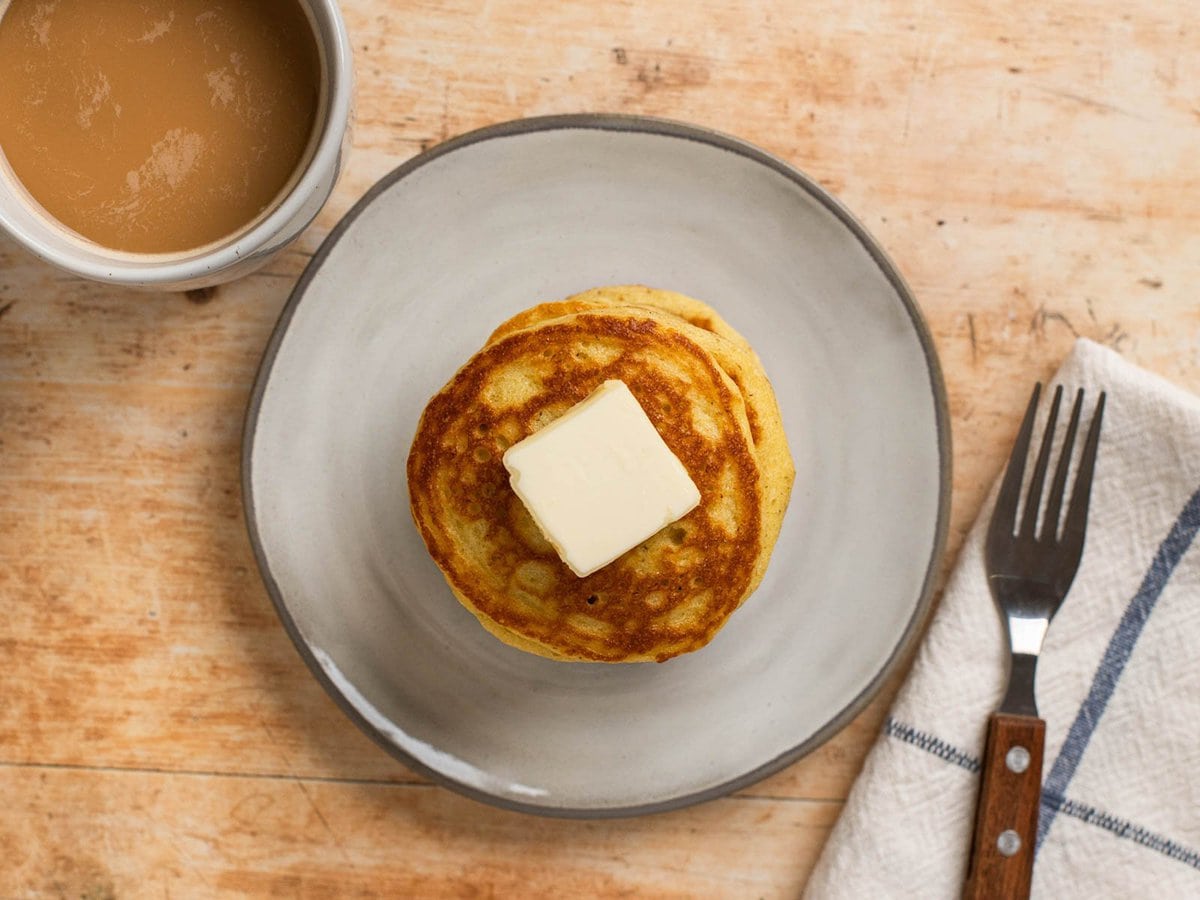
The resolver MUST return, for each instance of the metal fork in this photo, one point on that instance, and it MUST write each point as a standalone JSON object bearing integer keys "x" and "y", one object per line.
{"x": 1030, "y": 570}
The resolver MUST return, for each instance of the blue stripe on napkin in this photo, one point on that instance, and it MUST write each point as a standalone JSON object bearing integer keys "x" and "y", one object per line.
{"x": 1120, "y": 648}
{"x": 1122, "y": 828}
{"x": 930, "y": 744}
{"x": 1090, "y": 815}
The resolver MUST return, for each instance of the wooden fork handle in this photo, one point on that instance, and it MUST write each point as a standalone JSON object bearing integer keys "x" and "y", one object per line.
{"x": 1006, "y": 819}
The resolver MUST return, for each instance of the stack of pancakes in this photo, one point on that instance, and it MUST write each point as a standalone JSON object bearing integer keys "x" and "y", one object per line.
{"x": 706, "y": 392}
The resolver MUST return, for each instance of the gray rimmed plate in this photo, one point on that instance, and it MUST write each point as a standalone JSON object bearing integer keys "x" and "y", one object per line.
{"x": 411, "y": 283}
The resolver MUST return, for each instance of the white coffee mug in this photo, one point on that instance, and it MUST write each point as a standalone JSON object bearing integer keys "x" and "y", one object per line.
{"x": 243, "y": 251}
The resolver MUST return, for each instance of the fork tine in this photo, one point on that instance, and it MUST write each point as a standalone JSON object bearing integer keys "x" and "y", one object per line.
{"x": 1010, "y": 489}
{"x": 1076, "y": 522}
{"x": 1059, "y": 485}
{"x": 1038, "y": 481}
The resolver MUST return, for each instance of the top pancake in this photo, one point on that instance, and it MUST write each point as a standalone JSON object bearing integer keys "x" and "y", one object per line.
{"x": 665, "y": 597}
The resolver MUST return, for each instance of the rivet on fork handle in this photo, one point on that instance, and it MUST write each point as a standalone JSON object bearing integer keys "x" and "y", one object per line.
{"x": 1006, "y": 819}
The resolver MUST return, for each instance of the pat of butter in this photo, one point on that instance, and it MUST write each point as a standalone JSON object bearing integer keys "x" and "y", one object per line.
{"x": 600, "y": 479}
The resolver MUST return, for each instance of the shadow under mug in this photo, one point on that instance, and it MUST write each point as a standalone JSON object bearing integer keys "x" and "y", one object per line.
{"x": 296, "y": 205}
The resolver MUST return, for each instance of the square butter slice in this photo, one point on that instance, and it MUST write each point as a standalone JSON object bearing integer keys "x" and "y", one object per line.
{"x": 600, "y": 479}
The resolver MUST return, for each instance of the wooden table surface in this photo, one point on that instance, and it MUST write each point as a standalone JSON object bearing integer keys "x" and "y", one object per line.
{"x": 1032, "y": 167}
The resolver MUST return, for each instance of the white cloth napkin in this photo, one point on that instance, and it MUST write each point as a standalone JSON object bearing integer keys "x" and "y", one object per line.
{"x": 1118, "y": 685}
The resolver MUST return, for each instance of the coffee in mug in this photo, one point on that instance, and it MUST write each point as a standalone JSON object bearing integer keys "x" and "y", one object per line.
{"x": 157, "y": 127}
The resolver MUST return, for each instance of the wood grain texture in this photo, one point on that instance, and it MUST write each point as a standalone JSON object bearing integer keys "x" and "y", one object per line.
{"x": 103, "y": 833}
{"x": 1009, "y": 796}
{"x": 1031, "y": 170}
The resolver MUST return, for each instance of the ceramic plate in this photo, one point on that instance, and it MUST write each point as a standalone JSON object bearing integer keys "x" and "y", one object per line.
{"x": 411, "y": 283}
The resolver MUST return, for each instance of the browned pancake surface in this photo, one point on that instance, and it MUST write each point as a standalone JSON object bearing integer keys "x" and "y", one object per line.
{"x": 667, "y": 596}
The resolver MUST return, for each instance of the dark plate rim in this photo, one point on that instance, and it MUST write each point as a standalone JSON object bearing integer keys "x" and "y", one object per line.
{"x": 663, "y": 128}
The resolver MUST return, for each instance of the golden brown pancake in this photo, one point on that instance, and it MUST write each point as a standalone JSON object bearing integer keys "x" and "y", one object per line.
{"x": 665, "y": 597}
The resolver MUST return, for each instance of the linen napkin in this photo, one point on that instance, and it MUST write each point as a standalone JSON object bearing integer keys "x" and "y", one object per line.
{"x": 1118, "y": 685}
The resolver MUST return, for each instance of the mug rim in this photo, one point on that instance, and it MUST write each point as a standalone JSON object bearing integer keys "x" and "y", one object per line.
{"x": 99, "y": 263}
